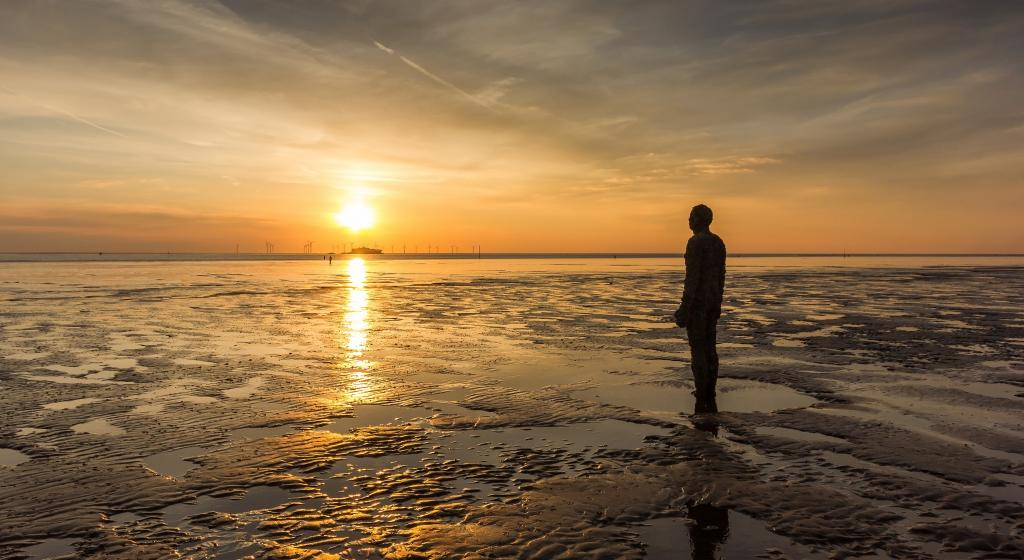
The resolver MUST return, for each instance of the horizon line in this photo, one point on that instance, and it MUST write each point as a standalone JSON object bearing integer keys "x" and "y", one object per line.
{"x": 530, "y": 253}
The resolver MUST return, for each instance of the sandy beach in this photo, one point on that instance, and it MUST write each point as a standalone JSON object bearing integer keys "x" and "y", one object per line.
{"x": 516, "y": 408}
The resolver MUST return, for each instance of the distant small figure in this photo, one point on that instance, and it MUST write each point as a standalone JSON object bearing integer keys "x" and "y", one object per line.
{"x": 701, "y": 304}
{"x": 330, "y": 259}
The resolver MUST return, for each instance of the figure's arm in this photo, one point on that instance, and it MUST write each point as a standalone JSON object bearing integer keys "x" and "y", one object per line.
{"x": 691, "y": 281}
{"x": 721, "y": 273}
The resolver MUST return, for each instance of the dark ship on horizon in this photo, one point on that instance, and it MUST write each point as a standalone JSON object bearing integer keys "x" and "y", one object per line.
{"x": 365, "y": 251}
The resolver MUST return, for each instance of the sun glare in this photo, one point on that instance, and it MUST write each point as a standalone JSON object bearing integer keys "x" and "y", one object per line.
{"x": 355, "y": 216}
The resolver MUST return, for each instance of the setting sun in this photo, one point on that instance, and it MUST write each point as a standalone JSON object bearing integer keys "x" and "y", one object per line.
{"x": 355, "y": 216}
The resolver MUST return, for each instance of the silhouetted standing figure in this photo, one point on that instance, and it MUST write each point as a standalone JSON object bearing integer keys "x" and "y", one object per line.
{"x": 702, "y": 300}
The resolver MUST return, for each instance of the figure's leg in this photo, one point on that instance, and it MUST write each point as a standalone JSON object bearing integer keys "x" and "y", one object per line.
{"x": 712, "y": 355}
{"x": 696, "y": 332}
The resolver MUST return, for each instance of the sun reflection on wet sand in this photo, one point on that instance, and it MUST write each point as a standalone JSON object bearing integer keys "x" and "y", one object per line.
{"x": 356, "y": 309}
{"x": 354, "y": 333}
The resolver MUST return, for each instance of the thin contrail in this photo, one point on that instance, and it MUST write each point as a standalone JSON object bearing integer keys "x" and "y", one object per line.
{"x": 68, "y": 114}
{"x": 434, "y": 77}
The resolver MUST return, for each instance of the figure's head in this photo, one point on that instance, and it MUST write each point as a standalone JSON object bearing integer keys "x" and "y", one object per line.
{"x": 700, "y": 218}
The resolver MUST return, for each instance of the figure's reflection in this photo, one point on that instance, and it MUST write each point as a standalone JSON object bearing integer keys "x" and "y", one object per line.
{"x": 709, "y": 528}
{"x": 709, "y": 525}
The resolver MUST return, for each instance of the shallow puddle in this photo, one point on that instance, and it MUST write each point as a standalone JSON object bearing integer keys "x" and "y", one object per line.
{"x": 997, "y": 390}
{"x": 798, "y": 435}
{"x": 191, "y": 362}
{"x": 174, "y": 463}
{"x": 27, "y": 356}
{"x": 123, "y": 518}
{"x": 75, "y": 370}
{"x": 487, "y": 446}
{"x": 260, "y": 432}
{"x": 375, "y": 415}
{"x": 374, "y": 464}
{"x": 754, "y": 396}
{"x": 671, "y": 402}
{"x": 255, "y": 498}
{"x": 52, "y": 548}
{"x": 245, "y": 391}
{"x": 1010, "y": 492}
{"x": 99, "y": 427}
{"x": 68, "y": 405}
{"x": 709, "y": 533}
{"x": 788, "y": 343}
{"x": 538, "y": 370}
{"x": 12, "y": 457}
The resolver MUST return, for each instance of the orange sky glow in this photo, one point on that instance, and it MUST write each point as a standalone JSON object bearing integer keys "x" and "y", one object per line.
{"x": 518, "y": 127}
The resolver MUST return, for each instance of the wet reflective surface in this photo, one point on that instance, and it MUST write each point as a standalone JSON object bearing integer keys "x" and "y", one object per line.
{"x": 441, "y": 409}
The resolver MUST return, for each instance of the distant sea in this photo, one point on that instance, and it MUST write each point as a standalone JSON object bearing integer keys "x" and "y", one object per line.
{"x": 868, "y": 260}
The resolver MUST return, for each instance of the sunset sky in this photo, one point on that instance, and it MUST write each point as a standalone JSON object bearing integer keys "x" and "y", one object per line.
{"x": 893, "y": 126}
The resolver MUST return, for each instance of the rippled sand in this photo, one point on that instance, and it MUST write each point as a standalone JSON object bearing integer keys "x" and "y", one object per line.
{"x": 447, "y": 409}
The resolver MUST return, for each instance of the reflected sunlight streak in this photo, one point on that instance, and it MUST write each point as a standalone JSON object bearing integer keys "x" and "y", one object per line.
{"x": 356, "y": 310}
{"x": 354, "y": 331}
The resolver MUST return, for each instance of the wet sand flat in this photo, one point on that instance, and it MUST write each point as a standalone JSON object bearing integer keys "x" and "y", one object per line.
{"x": 507, "y": 408}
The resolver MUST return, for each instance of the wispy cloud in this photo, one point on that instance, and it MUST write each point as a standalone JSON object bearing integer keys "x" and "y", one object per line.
{"x": 727, "y": 166}
{"x": 59, "y": 111}
{"x": 412, "y": 64}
